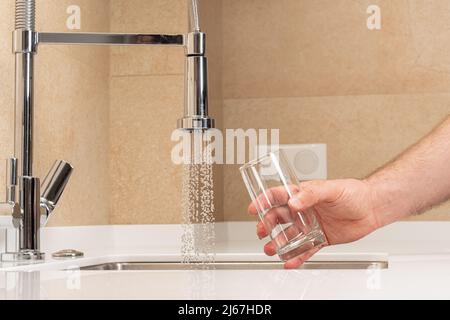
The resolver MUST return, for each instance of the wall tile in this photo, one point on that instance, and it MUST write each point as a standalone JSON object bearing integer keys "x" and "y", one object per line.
{"x": 292, "y": 48}
{"x": 72, "y": 115}
{"x": 146, "y": 186}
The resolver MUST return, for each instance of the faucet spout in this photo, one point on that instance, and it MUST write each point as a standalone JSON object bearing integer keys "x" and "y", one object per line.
{"x": 196, "y": 84}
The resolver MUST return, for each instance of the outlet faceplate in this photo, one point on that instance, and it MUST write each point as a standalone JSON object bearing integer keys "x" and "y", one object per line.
{"x": 308, "y": 160}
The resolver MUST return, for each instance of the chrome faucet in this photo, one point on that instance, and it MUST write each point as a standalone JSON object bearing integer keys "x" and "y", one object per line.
{"x": 31, "y": 203}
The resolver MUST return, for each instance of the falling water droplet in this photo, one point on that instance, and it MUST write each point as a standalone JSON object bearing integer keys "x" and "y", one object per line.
{"x": 198, "y": 239}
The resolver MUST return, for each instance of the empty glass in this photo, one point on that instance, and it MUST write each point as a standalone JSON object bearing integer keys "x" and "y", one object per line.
{"x": 271, "y": 182}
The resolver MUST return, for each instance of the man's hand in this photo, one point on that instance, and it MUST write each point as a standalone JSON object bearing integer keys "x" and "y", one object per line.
{"x": 350, "y": 209}
{"x": 344, "y": 208}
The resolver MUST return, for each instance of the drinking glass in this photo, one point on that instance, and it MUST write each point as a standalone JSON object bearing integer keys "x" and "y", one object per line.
{"x": 271, "y": 182}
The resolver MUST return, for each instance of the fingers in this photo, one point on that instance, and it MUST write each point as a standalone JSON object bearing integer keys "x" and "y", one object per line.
{"x": 296, "y": 262}
{"x": 270, "y": 248}
{"x": 282, "y": 238}
{"x": 273, "y": 197}
{"x": 271, "y": 219}
{"x": 303, "y": 198}
{"x": 261, "y": 230}
{"x": 275, "y": 217}
{"x": 312, "y": 193}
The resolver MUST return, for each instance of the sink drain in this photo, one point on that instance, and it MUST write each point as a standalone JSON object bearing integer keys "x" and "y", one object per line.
{"x": 68, "y": 254}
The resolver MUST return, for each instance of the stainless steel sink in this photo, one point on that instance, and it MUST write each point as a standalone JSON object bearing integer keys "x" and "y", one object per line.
{"x": 127, "y": 266}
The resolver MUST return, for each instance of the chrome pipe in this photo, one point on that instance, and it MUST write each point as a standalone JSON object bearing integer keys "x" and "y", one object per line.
{"x": 30, "y": 204}
{"x": 196, "y": 97}
{"x": 109, "y": 39}
{"x": 26, "y": 209}
{"x": 28, "y": 221}
{"x": 196, "y": 85}
{"x": 196, "y": 104}
{"x": 24, "y": 49}
{"x": 24, "y": 71}
{"x": 24, "y": 113}
{"x": 194, "y": 20}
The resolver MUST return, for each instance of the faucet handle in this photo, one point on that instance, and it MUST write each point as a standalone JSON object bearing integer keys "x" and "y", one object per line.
{"x": 54, "y": 184}
{"x": 11, "y": 180}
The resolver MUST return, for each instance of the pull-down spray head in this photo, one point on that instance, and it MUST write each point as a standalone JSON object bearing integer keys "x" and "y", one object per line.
{"x": 196, "y": 86}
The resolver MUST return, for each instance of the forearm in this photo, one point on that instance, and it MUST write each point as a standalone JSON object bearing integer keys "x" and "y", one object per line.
{"x": 415, "y": 181}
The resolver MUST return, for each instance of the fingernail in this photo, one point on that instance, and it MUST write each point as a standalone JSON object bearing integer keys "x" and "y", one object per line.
{"x": 295, "y": 202}
{"x": 269, "y": 249}
{"x": 257, "y": 232}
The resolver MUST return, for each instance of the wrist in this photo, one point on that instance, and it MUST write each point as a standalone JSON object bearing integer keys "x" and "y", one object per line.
{"x": 389, "y": 202}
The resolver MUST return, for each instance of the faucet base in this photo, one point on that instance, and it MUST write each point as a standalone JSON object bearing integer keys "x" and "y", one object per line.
{"x": 24, "y": 255}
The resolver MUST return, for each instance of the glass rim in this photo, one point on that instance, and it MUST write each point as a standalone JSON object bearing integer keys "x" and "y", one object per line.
{"x": 253, "y": 162}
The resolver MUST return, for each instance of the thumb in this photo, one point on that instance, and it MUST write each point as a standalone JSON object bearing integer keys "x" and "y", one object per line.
{"x": 312, "y": 193}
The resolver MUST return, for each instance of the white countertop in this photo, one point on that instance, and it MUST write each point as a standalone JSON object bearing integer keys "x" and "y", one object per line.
{"x": 418, "y": 254}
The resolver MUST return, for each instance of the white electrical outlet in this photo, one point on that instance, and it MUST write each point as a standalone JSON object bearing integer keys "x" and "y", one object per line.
{"x": 308, "y": 160}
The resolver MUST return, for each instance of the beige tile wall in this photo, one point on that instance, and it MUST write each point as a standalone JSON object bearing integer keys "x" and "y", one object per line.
{"x": 146, "y": 101}
{"x": 314, "y": 70}
{"x": 303, "y": 48}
